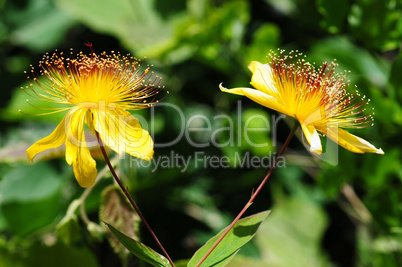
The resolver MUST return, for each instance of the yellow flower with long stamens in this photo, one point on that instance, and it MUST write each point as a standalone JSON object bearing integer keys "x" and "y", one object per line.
{"x": 317, "y": 98}
{"x": 98, "y": 91}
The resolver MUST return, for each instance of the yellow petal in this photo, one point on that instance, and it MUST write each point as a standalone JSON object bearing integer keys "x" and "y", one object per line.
{"x": 122, "y": 132}
{"x": 350, "y": 142}
{"x": 262, "y": 78}
{"x": 77, "y": 152}
{"x": 257, "y": 96}
{"x": 55, "y": 139}
{"x": 313, "y": 138}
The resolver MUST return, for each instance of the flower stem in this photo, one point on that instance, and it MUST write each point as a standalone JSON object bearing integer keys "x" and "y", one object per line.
{"x": 127, "y": 194}
{"x": 253, "y": 196}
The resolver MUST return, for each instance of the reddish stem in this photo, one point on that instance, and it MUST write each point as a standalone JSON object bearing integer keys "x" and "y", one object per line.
{"x": 253, "y": 196}
{"x": 125, "y": 191}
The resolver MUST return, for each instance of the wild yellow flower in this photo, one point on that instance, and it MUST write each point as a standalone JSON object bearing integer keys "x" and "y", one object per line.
{"x": 317, "y": 98}
{"x": 98, "y": 91}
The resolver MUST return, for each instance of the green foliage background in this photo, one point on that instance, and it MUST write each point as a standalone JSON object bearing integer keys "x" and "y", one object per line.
{"x": 322, "y": 215}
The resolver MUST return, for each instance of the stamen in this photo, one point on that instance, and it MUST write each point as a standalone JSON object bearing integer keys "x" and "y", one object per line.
{"x": 111, "y": 78}
{"x": 306, "y": 89}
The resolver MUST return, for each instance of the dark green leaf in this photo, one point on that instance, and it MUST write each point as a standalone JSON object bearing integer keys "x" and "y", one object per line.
{"x": 59, "y": 255}
{"x": 334, "y": 13}
{"x": 140, "y": 250}
{"x": 396, "y": 70}
{"x": 265, "y": 38}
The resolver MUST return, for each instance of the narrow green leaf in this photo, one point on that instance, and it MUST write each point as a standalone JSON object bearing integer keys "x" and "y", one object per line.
{"x": 243, "y": 231}
{"x": 140, "y": 250}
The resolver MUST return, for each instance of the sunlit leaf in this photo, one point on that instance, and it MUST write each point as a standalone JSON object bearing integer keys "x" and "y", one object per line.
{"x": 243, "y": 231}
{"x": 40, "y": 25}
{"x": 288, "y": 238}
{"x": 136, "y": 23}
{"x": 30, "y": 194}
{"x": 241, "y": 261}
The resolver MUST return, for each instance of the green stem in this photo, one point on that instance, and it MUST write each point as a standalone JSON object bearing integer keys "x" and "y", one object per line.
{"x": 253, "y": 196}
{"x": 127, "y": 194}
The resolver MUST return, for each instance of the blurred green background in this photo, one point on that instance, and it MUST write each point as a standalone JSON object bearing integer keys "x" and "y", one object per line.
{"x": 322, "y": 215}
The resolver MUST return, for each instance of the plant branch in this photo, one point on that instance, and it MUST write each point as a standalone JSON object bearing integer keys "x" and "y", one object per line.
{"x": 127, "y": 194}
{"x": 253, "y": 196}
{"x": 87, "y": 191}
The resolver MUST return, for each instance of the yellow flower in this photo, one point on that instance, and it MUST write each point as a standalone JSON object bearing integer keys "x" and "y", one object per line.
{"x": 98, "y": 91}
{"x": 317, "y": 98}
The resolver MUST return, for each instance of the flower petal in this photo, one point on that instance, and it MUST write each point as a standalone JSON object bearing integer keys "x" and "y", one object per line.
{"x": 55, "y": 139}
{"x": 350, "y": 142}
{"x": 122, "y": 132}
{"x": 77, "y": 152}
{"x": 313, "y": 138}
{"x": 261, "y": 78}
{"x": 257, "y": 96}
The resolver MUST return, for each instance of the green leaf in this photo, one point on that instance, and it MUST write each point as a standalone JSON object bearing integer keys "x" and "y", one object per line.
{"x": 256, "y": 131}
{"x": 140, "y": 250}
{"x": 30, "y": 194}
{"x": 40, "y": 25}
{"x": 376, "y": 24}
{"x": 181, "y": 263}
{"x": 266, "y": 37}
{"x": 395, "y": 76}
{"x": 243, "y": 231}
{"x": 350, "y": 57}
{"x": 334, "y": 14}
{"x": 19, "y": 102}
{"x": 293, "y": 234}
{"x": 37, "y": 254}
{"x": 241, "y": 261}
{"x": 136, "y": 23}
{"x": 27, "y": 183}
